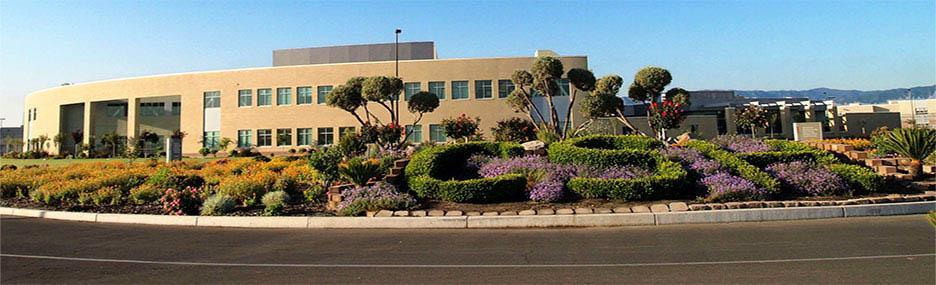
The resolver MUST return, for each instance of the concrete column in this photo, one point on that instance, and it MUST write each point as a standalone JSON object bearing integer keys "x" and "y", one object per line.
{"x": 786, "y": 119}
{"x": 87, "y": 123}
{"x": 809, "y": 112}
{"x": 132, "y": 117}
{"x": 731, "y": 125}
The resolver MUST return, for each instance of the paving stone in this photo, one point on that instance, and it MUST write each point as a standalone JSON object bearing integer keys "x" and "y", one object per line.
{"x": 401, "y": 214}
{"x": 928, "y": 197}
{"x": 790, "y": 203}
{"x": 896, "y": 198}
{"x": 384, "y": 213}
{"x": 583, "y": 211}
{"x": 808, "y": 203}
{"x": 527, "y": 213}
{"x": 659, "y": 208}
{"x": 929, "y": 192}
{"x": 827, "y": 203}
{"x": 846, "y": 202}
{"x": 473, "y": 213}
{"x": 490, "y": 213}
{"x": 752, "y": 204}
{"x": 699, "y": 207}
{"x": 716, "y": 206}
{"x": 733, "y": 205}
{"x": 774, "y": 204}
{"x": 861, "y": 201}
{"x": 454, "y": 213}
{"x": 603, "y": 211}
{"x": 913, "y": 198}
{"x": 622, "y": 210}
{"x": 640, "y": 209}
{"x": 565, "y": 211}
{"x": 545, "y": 212}
{"x": 678, "y": 207}
{"x": 371, "y": 213}
{"x": 508, "y": 213}
{"x": 418, "y": 213}
{"x": 880, "y": 200}
{"x": 436, "y": 213}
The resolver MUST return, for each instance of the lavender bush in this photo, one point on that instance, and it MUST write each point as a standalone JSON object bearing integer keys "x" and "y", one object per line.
{"x": 380, "y": 196}
{"x": 693, "y": 160}
{"x": 724, "y": 187}
{"x": 808, "y": 179}
{"x": 741, "y": 144}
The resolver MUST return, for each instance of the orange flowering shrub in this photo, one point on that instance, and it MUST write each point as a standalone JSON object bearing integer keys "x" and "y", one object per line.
{"x": 858, "y": 144}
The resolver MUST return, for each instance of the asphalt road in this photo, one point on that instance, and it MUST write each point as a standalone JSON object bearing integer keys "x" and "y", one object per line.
{"x": 855, "y": 250}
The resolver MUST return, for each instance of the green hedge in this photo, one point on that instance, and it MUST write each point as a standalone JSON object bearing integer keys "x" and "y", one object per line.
{"x": 606, "y": 150}
{"x": 431, "y": 174}
{"x": 818, "y": 155}
{"x": 766, "y": 158}
{"x": 668, "y": 181}
{"x": 860, "y": 179}
{"x": 736, "y": 165}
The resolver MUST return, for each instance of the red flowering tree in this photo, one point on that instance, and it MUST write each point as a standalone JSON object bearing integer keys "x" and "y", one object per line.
{"x": 665, "y": 112}
{"x": 461, "y": 127}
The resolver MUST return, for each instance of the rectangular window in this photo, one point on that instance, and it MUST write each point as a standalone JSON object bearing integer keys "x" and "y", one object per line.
{"x": 244, "y": 98}
{"x": 152, "y": 109}
{"x": 323, "y": 93}
{"x": 416, "y": 135}
{"x": 264, "y": 97}
{"x": 459, "y": 90}
{"x": 212, "y": 99}
{"x": 304, "y": 136}
{"x": 410, "y": 89}
{"x": 210, "y": 139}
{"x": 243, "y": 138}
{"x": 176, "y": 108}
{"x": 483, "y": 89}
{"x": 326, "y": 136}
{"x": 283, "y": 137}
{"x": 564, "y": 87}
{"x": 437, "y": 88}
{"x": 436, "y": 133}
{"x": 342, "y": 131}
{"x": 304, "y": 95}
{"x": 504, "y": 88}
{"x": 283, "y": 96}
{"x": 264, "y": 137}
{"x": 114, "y": 110}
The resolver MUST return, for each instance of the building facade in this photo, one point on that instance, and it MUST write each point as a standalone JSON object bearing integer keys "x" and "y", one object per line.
{"x": 271, "y": 108}
{"x": 909, "y": 113}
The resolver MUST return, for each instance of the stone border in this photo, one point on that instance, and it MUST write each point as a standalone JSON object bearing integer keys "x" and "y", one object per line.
{"x": 501, "y": 221}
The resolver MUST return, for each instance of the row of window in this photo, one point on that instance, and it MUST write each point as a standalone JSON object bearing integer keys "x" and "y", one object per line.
{"x": 484, "y": 89}
{"x": 31, "y": 115}
{"x": 323, "y": 136}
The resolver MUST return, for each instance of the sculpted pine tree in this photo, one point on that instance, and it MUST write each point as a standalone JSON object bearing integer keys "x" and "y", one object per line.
{"x": 383, "y": 91}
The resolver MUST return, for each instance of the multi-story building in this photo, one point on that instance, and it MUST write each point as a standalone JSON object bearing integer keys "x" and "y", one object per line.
{"x": 909, "y": 113}
{"x": 7, "y": 135}
{"x": 280, "y": 107}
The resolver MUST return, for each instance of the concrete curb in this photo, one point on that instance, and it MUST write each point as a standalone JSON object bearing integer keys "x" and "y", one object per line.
{"x": 460, "y": 222}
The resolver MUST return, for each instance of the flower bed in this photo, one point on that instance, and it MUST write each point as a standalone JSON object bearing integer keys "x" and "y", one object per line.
{"x": 440, "y": 173}
{"x": 606, "y": 151}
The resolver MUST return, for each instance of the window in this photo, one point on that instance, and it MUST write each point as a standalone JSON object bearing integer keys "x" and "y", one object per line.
{"x": 264, "y": 137}
{"x": 176, "y": 108}
{"x": 304, "y": 95}
{"x": 264, "y": 97}
{"x": 504, "y": 87}
{"x": 244, "y": 98}
{"x": 410, "y": 89}
{"x": 436, "y": 133}
{"x": 304, "y": 136}
{"x": 326, "y": 136}
{"x": 283, "y": 137}
{"x": 483, "y": 89}
{"x": 243, "y": 138}
{"x": 416, "y": 135}
{"x": 114, "y": 110}
{"x": 212, "y": 99}
{"x": 342, "y": 131}
{"x": 283, "y": 96}
{"x": 437, "y": 88}
{"x": 820, "y": 116}
{"x": 459, "y": 90}
{"x": 564, "y": 87}
{"x": 152, "y": 109}
{"x": 323, "y": 92}
{"x": 210, "y": 139}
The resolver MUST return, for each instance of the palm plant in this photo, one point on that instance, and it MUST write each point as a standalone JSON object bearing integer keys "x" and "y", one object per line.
{"x": 359, "y": 171}
{"x": 913, "y": 143}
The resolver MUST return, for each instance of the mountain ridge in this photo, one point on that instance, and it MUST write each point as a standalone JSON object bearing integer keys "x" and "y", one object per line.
{"x": 841, "y": 96}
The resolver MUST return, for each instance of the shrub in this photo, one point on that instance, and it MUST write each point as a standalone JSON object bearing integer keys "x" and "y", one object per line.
{"x": 145, "y": 194}
{"x": 736, "y": 165}
{"x": 181, "y": 202}
{"x": 351, "y": 145}
{"x": 514, "y": 130}
{"x": 742, "y": 144}
{"x": 914, "y": 143}
{"x": 381, "y": 196}
{"x": 248, "y": 188}
{"x": 606, "y": 151}
{"x": 820, "y": 156}
{"x": 763, "y": 159}
{"x": 432, "y": 168}
{"x": 724, "y": 187}
{"x": 326, "y": 162}
{"x": 218, "y": 205}
{"x": 667, "y": 181}
{"x": 461, "y": 127}
{"x": 359, "y": 171}
{"x": 447, "y": 161}
{"x": 510, "y": 187}
{"x": 274, "y": 203}
{"x": 315, "y": 193}
{"x": 108, "y": 195}
{"x": 860, "y": 180}
{"x": 804, "y": 178}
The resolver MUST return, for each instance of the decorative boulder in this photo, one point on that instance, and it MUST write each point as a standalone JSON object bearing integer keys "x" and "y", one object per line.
{"x": 534, "y": 147}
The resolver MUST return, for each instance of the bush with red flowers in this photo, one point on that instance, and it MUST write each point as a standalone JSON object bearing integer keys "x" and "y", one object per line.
{"x": 666, "y": 115}
{"x": 461, "y": 127}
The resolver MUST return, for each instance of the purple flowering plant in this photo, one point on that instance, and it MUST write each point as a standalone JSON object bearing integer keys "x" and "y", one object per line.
{"x": 546, "y": 180}
{"x": 741, "y": 144}
{"x": 808, "y": 179}
{"x": 380, "y": 196}
{"x": 724, "y": 187}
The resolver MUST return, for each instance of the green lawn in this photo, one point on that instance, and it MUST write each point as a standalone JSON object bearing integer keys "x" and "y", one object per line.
{"x": 64, "y": 162}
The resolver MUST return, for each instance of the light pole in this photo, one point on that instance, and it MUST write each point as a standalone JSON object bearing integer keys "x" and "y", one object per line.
{"x": 396, "y": 49}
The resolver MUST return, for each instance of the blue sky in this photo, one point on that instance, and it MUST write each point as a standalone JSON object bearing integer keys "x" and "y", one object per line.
{"x": 705, "y": 44}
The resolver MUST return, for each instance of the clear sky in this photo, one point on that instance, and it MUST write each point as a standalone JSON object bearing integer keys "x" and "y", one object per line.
{"x": 705, "y": 44}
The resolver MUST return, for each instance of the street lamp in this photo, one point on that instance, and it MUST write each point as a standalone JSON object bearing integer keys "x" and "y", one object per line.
{"x": 396, "y": 49}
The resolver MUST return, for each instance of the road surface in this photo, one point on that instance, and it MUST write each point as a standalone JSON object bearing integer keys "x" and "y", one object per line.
{"x": 900, "y": 249}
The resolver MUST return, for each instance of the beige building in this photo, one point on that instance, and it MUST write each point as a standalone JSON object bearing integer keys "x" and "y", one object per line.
{"x": 274, "y": 108}
{"x": 919, "y": 112}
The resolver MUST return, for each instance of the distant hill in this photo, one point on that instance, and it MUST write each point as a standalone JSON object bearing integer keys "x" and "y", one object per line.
{"x": 845, "y": 96}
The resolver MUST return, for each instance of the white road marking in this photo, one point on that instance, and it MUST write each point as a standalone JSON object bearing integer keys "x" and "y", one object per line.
{"x": 188, "y": 263}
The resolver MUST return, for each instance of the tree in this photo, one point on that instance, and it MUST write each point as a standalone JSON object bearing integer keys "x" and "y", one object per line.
{"x": 604, "y": 102}
{"x": 914, "y": 143}
{"x": 752, "y": 116}
{"x": 421, "y": 103}
{"x": 461, "y": 127}
{"x": 543, "y": 78}
{"x": 383, "y": 91}
{"x": 111, "y": 140}
{"x": 41, "y": 142}
{"x": 77, "y": 137}
{"x": 648, "y": 86}
{"x": 58, "y": 139}
{"x": 514, "y": 130}
{"x": 225, "y": 143}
